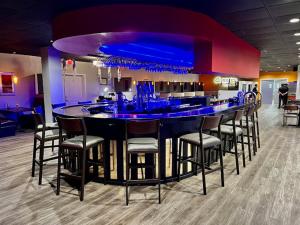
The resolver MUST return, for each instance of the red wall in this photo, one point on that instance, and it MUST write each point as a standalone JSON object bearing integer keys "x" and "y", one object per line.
{"x": 230, "y": 54}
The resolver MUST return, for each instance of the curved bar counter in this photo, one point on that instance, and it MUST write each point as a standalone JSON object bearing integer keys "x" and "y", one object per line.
{"x": 111, "y": 126}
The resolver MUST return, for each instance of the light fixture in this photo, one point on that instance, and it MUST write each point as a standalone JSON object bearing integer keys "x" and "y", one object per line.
{"x": 51, "y": 41}
{"x": 294, "y": 20}
{"x": 15, "y": 79}
{"x": 296, "y": 34}
{"x": 134, "y": 82}
{"x": 298, "y": 43}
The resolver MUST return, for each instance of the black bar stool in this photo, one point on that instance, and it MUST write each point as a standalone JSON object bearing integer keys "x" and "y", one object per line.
{"x": 234, "y": 131}
{"x": 142, "y": 137}
{"x": 77, "y": 143}
{"x": 248, "y": 124}
{"x": 43, "y": 133}
{"x": 201, "y": 142}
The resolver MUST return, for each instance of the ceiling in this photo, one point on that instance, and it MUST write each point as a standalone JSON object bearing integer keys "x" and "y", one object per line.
{"x": 26, "y": 24}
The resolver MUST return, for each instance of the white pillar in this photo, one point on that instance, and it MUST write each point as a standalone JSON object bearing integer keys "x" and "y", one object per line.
{"x": 52, "y": 80}
{"x": 298, "y": 83}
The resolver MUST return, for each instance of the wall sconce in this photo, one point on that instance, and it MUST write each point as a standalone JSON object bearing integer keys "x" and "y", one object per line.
{"x": 15, "y": 79}
{"x": 191, "y": 83}
{"x": 168, "y": 83}
{"x": 134, "y": 82}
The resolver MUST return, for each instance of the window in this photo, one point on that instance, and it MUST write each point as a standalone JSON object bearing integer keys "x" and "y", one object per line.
{"x": 6, "y": 84}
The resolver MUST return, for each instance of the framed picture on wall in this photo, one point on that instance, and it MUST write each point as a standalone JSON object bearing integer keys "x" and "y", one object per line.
{"x": 7, "y": 86}
{"x": 103, "y": 81}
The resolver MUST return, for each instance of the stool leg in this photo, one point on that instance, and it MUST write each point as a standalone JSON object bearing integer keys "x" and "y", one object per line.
{"x": 249, "y": 144}
{"x": 82, "y": 174}
{"x": 179, "y": 160}
{"x": 222, "y": 167}
{"x": 158, "y": 168}
{"x": 33, "y": 157}
{"x": 236, "y": 155}
{"x": 243, "y": 150}
{"x": 253, "y": 131}
{"x": 58, "y": 171}
{"x": 257, "y": 131}
{"x": 41, "y": 161}
{"x": 127, "y": 177}
{"x": 203, "y": 169}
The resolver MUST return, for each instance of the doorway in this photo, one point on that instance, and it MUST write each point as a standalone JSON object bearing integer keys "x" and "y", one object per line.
{"x": 269, "y": 90}
{"x": 74, "y": 88}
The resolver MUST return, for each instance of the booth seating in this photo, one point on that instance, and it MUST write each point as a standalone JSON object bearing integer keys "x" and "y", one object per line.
{"x": 142, "y": 137}
{"x": 7, "y": 128}
{"x": 234, "y": 130}
{"x": 74, "y": 144}
{"x": 200, "y": 142}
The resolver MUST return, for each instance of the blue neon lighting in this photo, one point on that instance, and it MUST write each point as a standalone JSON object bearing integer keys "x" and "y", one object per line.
{"x": 152, "y": 53}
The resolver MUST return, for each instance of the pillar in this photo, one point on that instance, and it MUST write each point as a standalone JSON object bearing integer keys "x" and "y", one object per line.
{"x": 52, "y": 80}
{"x": 298, "y": 83}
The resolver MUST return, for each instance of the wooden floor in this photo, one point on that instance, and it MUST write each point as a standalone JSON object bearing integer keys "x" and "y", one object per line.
{"x": 266, "y": 192}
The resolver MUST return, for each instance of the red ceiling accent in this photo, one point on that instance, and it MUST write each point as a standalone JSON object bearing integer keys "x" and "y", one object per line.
{"x": 229, "y": 54}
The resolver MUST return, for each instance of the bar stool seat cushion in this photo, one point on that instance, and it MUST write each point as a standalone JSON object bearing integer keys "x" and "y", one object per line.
{"x": 48, "y": 126}
{"x": 142, "y": 140}
{"x": 77, "y": 142}
{"x": 144, "y": 144}
{"x": 244, "y": 124}
{"x": 229, "y": 130}
{"x": 49, "y": 135}
{"x": 208, "y": 140}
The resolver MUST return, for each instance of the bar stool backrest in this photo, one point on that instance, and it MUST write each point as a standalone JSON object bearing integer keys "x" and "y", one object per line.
{"x": 238, "y": 115}
{"x": 142, "y": 128}
{"x": 210, "y": 122}
{"x": 291, "y": 108}
{"x": 72, "y": 126}
{"x": 39, "y": 122}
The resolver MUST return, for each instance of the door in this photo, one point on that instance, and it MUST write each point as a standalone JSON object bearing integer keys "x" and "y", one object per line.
{"x": 73, "y": 86}
{"x": 267, "y": 91}
{"x": 277, "y": 85}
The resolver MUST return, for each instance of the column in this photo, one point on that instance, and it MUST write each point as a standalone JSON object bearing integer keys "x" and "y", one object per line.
{"x": 298, "y": 83}
{"x": 52, "y": 80}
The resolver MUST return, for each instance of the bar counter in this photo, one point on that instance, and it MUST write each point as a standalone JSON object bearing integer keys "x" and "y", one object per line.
{"x": 111, "y": 126}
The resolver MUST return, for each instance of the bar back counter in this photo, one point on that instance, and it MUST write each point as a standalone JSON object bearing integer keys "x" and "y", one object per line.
{"x": 111, "y": 126}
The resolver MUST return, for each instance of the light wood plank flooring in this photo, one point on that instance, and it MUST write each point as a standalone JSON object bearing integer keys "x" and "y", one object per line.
{"x": 266, "y": 192}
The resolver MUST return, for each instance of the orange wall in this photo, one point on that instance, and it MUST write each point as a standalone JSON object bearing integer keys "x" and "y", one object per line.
{"x": 290, "y": 75}
{"x": 208, "y": 79}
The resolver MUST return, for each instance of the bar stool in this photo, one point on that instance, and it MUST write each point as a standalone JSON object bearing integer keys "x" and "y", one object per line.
{"x": 249, "y": 125}
{"x": 77, "y": 143}
{"x": 203, "y": 141}
{"x": 234, "y": 131}
{"x": 257, "y": 106}
{"x": 44, "y": 132}
{"x": 142, "y": 137}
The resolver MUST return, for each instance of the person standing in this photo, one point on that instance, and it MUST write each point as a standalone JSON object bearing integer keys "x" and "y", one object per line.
{"x": 283, "y": 95}
{"x": 255, "y": 89}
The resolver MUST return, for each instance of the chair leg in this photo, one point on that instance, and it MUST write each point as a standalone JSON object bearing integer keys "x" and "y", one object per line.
{"x": 33, "y": 157}
{"x": 253, "y": 131}
{"x": 222, "y": 166}
{"x": 41, "y": 161}
{"x": 203, "y": 169}
{"x": 82, "y": 174}
{"x": 249, "y": 144}
{"x": 58, "y": 171}
{"x": 179, "y": 161}
{"x": 243, "y": 150}
{"x": 236, "y": 155}
{"x": 52, "y": 146}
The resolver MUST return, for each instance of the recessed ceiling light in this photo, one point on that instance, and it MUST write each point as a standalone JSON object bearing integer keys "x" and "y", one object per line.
{"x": 51, "y": 41}
{"x": 294, "y": 20}
{"x": 298, "y": 43}
{"x": 296, "y": 34}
